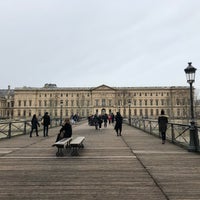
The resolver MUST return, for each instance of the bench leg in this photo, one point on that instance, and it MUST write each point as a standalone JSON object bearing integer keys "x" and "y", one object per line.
{"x": 74, "y": 151}
{"x": 59, "y": 152}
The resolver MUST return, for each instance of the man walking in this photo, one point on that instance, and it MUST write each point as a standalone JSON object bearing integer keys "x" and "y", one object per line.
{"x": 162, "y": 123}
{"x": 46, "y": 122}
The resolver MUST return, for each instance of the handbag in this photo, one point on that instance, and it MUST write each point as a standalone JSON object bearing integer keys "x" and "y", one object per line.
{"x": 62, "y": 135}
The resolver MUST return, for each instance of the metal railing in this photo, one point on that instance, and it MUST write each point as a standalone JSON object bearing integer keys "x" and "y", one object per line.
{"x": 176, "y": 133}
{"x": 9, "y": 129}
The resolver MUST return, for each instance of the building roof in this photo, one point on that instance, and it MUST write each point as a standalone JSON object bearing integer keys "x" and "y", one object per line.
{"x": 4, "y": 92}
{"x": 55, "y": 88}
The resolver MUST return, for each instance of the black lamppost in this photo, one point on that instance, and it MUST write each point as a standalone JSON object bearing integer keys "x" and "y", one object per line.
{"x": 194, "y": 140}
{"x": 129, "y": 112}
{"x": 61, "y": 113}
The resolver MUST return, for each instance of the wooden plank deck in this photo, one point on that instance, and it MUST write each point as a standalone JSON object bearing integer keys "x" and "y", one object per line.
{"x": 134, "y": 166}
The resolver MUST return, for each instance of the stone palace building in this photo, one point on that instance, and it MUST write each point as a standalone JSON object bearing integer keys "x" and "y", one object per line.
{"x": 22, "y": 103}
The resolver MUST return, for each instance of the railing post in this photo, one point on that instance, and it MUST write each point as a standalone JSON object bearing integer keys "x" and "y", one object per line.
{"x": 150, "y": 128}
{"x": 172, "y": 133}
{"x": 24, "y": 127}
{"x": 9, "y": 129}
{"x": 144, "y": 127}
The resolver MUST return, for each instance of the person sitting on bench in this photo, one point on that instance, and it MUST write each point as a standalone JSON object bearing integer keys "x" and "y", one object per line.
{"x": 65, "y": 131}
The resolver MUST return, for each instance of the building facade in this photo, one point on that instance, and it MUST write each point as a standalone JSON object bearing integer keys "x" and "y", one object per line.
{"x": 130, "y": 101}
{"x": 6, "y": 103}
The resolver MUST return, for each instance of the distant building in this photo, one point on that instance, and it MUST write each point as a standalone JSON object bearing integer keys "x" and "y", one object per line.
{"x": 136, "y": 101}
{"x": 6, "y": 103}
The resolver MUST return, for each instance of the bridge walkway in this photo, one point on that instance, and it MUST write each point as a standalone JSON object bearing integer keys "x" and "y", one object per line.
{"x": 134, "y": 166}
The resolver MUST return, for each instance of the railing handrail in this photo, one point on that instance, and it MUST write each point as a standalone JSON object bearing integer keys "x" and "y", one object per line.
{"x": 176, "y": 133}
{"x": 12, "y": 128}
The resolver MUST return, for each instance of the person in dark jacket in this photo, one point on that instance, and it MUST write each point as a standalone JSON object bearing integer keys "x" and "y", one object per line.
{"x": 162, "y": 123}
{"x": 46, "y": 122}
{"x": 118, "y": 124}
{"x": 66, "y": 130}
{"x": 34, "y": 125}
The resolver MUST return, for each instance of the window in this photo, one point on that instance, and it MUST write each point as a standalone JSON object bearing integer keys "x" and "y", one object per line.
{"x": 39, "y": 111}
{"x": 103, "y": 102}
{"x": 141, "y": 114}
{"x": 156, "y": 102}
{"x": 29, "y": 113}
{"x": 51, "y": 103}
{"x": 178, "y": 112}
{"x": 82, "y": 103}
{"x": 146, "y": 112}
{"x": 157, "y": 112}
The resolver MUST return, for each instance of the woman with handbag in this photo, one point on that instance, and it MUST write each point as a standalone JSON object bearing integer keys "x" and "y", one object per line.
{"x": 65, "y": 131}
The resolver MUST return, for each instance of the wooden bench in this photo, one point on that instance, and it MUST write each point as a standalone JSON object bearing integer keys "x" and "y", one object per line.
{"x": 76, "y": 144}
{"x": 61, "y": 144}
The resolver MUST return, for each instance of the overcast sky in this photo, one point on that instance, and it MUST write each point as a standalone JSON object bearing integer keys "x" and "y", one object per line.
{"x": 87, "y": 43}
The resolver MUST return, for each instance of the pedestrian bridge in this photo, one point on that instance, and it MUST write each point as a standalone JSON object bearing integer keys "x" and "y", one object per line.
{"x": 134, "y": 166}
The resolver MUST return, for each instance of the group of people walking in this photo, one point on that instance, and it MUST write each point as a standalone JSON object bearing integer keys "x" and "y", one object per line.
{"x": 66, "y": 129}
{"x": 118, "y": 119}
{"x": 98, "y": 120}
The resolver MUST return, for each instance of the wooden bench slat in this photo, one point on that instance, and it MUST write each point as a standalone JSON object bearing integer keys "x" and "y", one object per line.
{"x": 76, "y": 144}
{"x": 77, "y": 141}
{"x": 62, "y": 142}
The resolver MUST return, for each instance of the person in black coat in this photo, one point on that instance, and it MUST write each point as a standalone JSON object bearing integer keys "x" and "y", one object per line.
{"x": 34, "y": 125}
{"x": 118, "y": 124}
{"x": 65, "y": 131}
{"x": 162, "y": 123}
{"x": 46, "y": 122}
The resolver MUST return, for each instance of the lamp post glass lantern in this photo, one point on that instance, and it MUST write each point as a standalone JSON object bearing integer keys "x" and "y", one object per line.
{"x": 194, "y": 141}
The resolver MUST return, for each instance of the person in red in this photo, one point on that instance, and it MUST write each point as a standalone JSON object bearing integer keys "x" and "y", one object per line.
{"x": 162, "y": 123}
